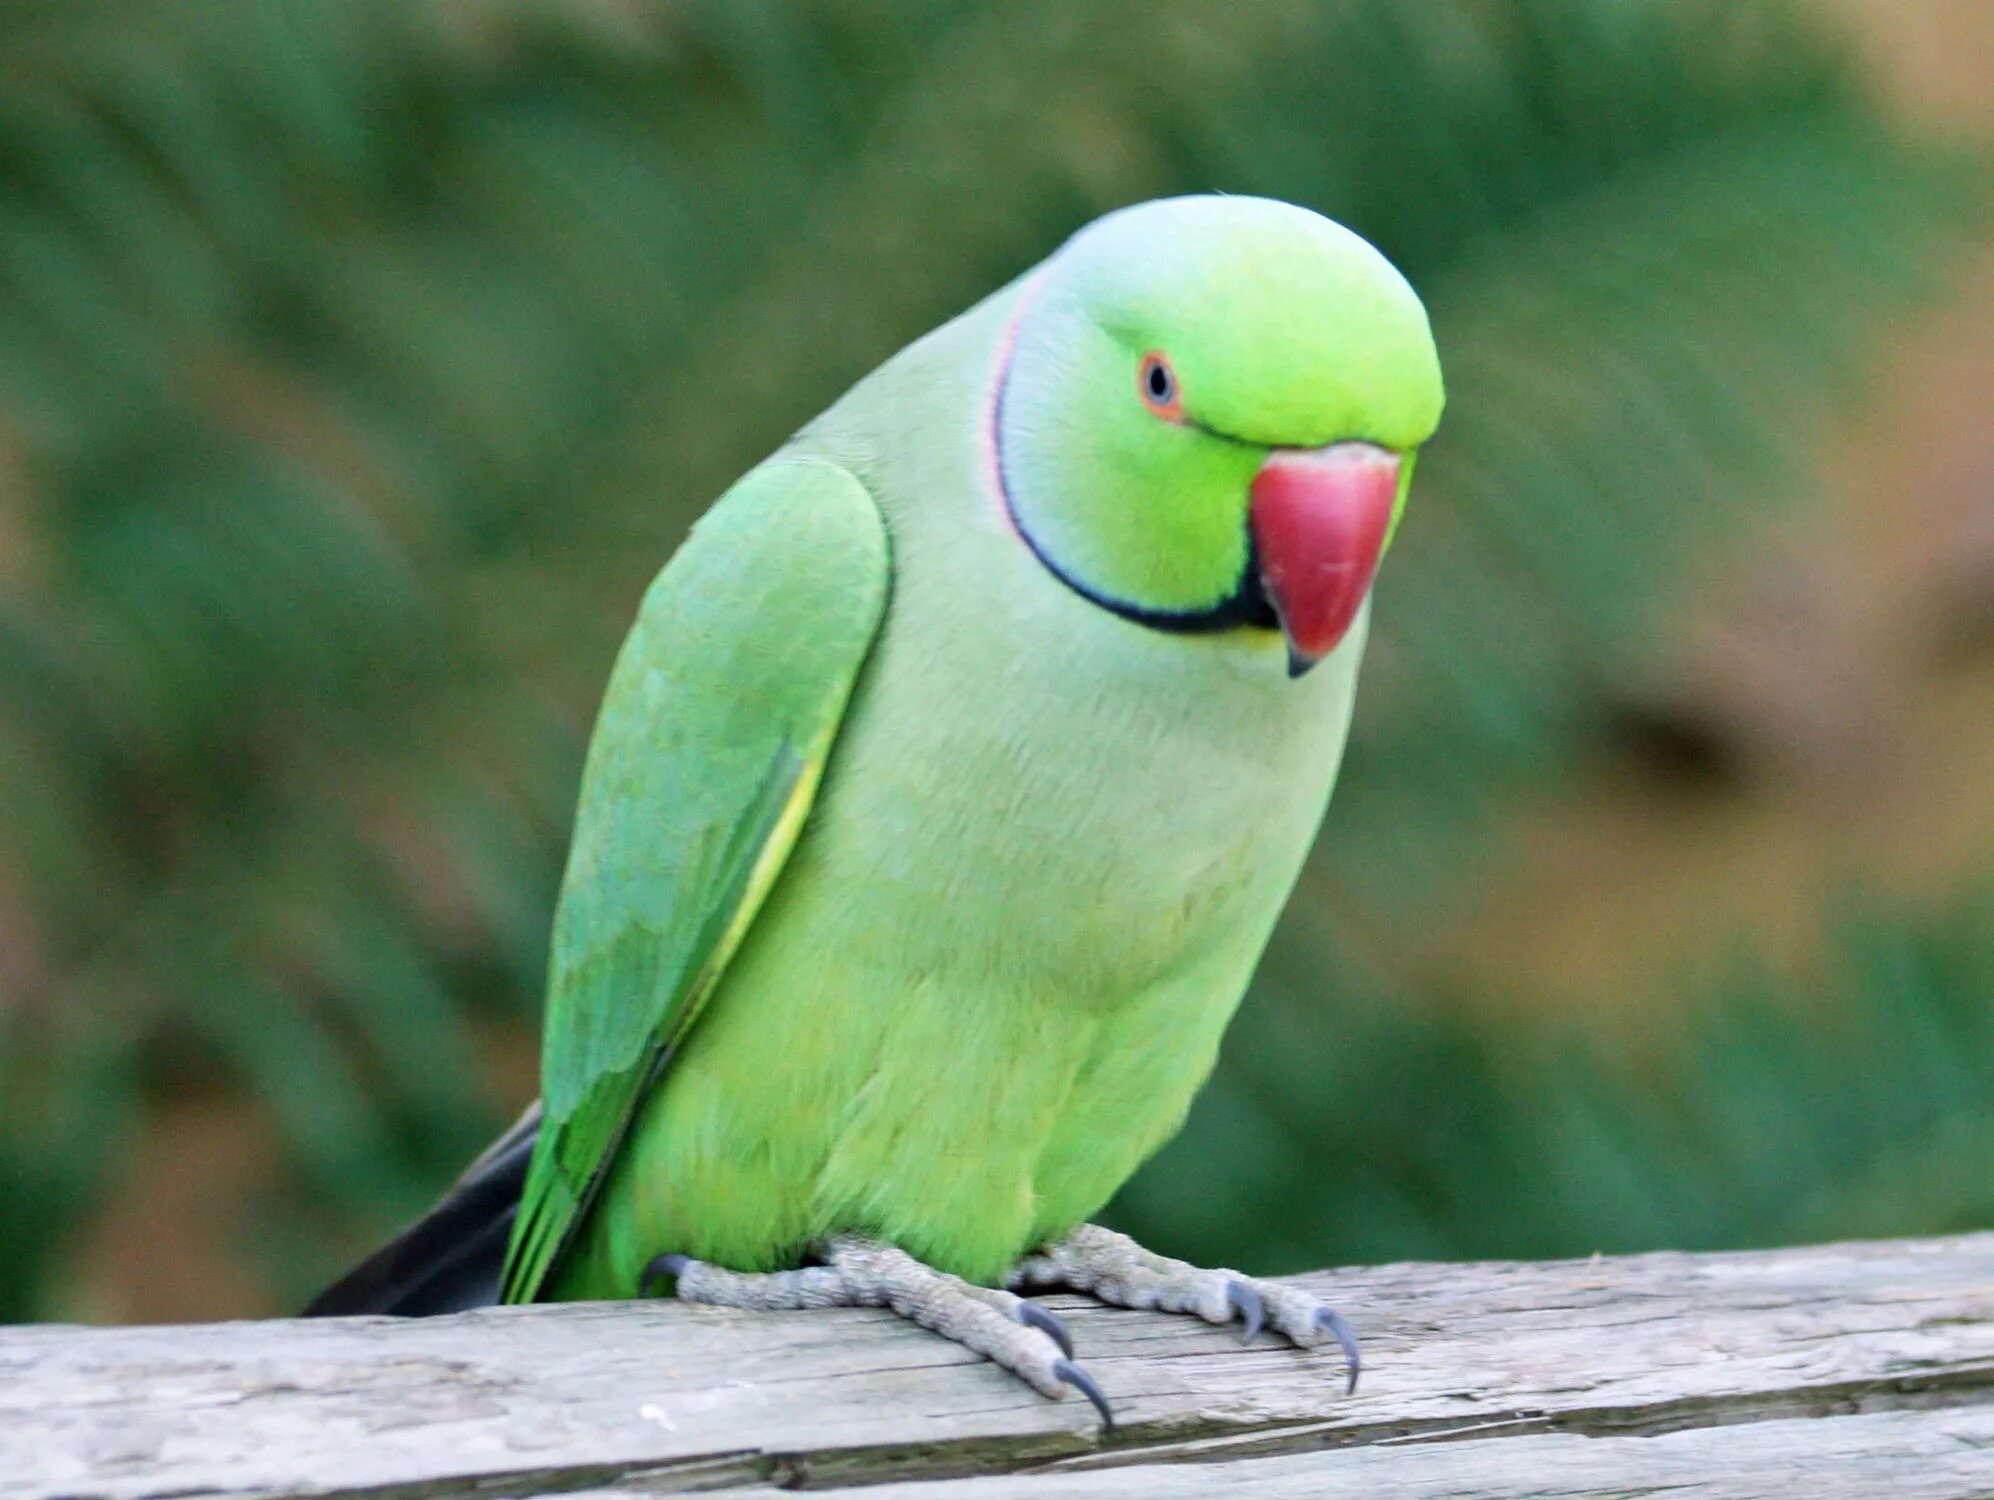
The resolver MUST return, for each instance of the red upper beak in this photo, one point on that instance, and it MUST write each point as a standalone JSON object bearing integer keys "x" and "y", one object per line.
{"x": 1319, "y": 518}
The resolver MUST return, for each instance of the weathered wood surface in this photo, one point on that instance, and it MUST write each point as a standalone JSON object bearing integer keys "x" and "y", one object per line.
{"x": 1859, "y": 1370}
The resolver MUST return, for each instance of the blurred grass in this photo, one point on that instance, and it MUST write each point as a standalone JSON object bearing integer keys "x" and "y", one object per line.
{"x": 359, "y": 364}
{"x": 1851, "y": 1099}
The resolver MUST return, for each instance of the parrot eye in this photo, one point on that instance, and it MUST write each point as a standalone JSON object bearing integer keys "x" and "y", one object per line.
{"x": 1158, "y": 384}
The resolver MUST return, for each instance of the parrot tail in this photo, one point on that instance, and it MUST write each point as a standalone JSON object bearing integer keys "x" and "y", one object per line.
{"x": 452, "y": 1257}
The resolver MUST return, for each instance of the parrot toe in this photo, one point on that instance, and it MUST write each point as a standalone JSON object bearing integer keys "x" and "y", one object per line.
{"x": 671, "y": 1265}
{"x": 1334, "y": 1321}
{"x": 1118, "y": 1271}
{"x": 1081, "y": 1381}
{"x": 1250, "y": 1305}
{"x": 1015, "y": 1332}
{"x": 1038, "y": 1315}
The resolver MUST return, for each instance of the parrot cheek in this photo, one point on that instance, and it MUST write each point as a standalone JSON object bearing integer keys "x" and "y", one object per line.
{"x": 1319, "y": 518}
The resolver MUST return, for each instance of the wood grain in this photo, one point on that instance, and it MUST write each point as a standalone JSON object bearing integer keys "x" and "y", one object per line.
{"x": 1861, "y": 1369}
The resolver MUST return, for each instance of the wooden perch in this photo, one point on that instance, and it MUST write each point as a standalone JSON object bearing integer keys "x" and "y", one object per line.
{"x": 1859, "y": 1370}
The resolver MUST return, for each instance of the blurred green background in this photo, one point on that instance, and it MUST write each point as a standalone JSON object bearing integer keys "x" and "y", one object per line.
{"x": 359, "y": 363}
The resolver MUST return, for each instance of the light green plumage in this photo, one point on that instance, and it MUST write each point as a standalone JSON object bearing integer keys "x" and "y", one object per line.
{"x": 1049, "y": 842}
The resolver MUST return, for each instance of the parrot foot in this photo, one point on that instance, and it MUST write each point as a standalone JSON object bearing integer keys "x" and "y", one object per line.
{"x": 1015, "y": 1332}
{"x": 1116, "y": 1270}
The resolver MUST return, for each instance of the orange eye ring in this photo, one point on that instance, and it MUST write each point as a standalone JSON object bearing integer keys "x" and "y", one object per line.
{"x": 1157, "y": 384}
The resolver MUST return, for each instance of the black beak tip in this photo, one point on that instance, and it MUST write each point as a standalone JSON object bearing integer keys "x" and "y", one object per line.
{"x": 1298, "y": 663}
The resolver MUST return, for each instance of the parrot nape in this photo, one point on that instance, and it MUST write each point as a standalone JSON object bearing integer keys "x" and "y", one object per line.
{"x": 944, "y": 795}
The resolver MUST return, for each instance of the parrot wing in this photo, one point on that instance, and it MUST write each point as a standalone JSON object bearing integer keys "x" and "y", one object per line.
{"x": 718, "y": 720}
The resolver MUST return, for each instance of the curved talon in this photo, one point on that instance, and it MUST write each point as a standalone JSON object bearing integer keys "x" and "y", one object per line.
{"x": 1248, "y": 1304}
{"x": 1080, "y": 1380}
{"x": 670, "y": 1264}
{"x": 1330, "y": 1318}
{"x": 1047, "y": 1322}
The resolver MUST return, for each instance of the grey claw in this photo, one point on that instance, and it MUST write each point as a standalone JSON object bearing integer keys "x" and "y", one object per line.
{"x": 1330, "y": 1318}
{"x": 1246, "y": 1302}
{"x": 1080, "y": 1380}
{"x": 671, "y": 1265}
{"x": 1047, "y": 1322}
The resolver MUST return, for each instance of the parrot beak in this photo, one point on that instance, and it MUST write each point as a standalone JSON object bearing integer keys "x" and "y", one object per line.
{"x": 1319, "y": 517}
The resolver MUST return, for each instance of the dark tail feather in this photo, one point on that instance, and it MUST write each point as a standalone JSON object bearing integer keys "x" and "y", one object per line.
{"x": 451, "y": 1258}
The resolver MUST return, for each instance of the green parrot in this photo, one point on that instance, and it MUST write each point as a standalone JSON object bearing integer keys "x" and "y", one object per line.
{"x": 944, "y": 796}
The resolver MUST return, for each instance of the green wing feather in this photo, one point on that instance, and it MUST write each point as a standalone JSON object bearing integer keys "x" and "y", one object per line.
{"x": 714, "y": 732}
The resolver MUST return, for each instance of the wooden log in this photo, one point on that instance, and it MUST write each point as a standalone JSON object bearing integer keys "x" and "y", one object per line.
{"x": 1859, "y": 1370}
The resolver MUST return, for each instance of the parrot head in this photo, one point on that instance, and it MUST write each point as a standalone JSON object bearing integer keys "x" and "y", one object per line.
{"x": 1207, "y": 413}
